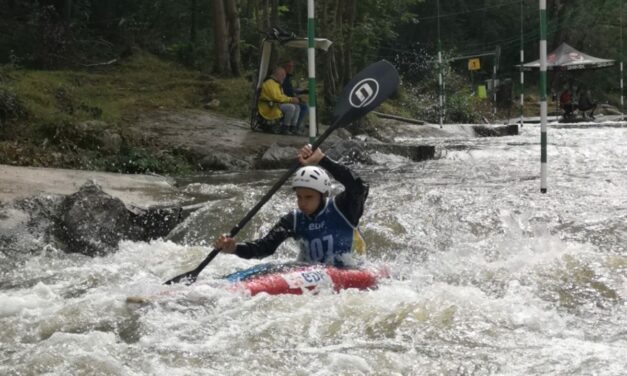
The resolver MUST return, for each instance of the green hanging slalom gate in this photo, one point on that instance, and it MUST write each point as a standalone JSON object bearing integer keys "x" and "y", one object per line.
{"x": 311, "y": 64}
{"x": 522, "y": 62}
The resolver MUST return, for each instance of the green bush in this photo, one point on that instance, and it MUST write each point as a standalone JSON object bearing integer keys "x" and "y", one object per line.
{"x": 11, "y": 108}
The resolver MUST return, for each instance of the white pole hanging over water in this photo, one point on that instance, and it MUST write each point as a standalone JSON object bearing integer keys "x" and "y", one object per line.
{"x": 311, "y": 64}
{"x": 543, "y": 103}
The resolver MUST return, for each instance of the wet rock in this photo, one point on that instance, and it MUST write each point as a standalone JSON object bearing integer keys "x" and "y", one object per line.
{"x": 93, "y": 222}
{"x": 415, "y": 153}
{"x": 89, "y": 221}
{"x": 217, "y": 160}
{"x": 277, "y": 157}
{"x": 496, "y": 131}
{"x": 26, "y": 225}
{"x": 343, "y": 134}
{"x": 349, "y": 151}
{"x": 156, "y": 222}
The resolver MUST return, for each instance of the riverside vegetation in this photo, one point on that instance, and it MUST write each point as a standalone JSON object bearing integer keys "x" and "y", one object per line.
{"x": 84, "y": 119}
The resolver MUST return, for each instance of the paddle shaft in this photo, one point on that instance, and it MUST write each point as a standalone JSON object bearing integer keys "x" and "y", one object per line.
{"x": 191, "y": 276}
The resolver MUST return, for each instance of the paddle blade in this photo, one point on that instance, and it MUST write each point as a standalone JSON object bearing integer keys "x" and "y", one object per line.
{"x": 365, "y": 92}
{"x": 187, "y": 278}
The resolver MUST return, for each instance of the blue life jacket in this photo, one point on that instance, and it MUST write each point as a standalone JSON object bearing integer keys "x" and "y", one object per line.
{"x": 328, "y": 237}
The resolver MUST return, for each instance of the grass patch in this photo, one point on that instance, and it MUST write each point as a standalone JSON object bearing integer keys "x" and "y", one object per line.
{"x": 56, "y": 118}
{"x": 235, "y": 95}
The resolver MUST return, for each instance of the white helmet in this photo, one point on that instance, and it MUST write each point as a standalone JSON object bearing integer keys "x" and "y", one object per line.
{"x": 312, "y": 177}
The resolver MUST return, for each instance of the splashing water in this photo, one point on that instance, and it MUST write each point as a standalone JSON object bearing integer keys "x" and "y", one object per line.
{"x": 491, "y": 277}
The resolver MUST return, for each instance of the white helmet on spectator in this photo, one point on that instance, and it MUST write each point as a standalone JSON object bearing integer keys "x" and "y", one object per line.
{"x": 312, "y": 177}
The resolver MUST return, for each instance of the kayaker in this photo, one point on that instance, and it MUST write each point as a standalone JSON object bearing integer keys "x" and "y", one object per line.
{"x": 324, "y": 226}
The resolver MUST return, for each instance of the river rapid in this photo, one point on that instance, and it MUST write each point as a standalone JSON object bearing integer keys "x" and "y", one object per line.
{"x": 490, "y": 277}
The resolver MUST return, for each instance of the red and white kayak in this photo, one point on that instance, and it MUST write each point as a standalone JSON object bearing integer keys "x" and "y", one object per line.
{"x": 295, "y": 278}
{"x": 291, "y": 278}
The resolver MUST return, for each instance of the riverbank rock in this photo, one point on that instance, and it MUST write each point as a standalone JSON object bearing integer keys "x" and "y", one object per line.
{"x": 27, "y": 225}
{"x": 92, "y": 222}
{"x": 220, "y": 161}
{"x": 349, "y": 151}
{"x": 496, "y": 131}
{"x": 277, "y": 157}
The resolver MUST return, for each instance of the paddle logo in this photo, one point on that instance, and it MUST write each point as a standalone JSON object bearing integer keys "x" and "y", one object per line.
{"x": 364, "y": 92}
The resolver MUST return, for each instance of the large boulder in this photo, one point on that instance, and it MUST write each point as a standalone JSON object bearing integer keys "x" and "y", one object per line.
{"x": 93, "y": 222}
{"x": 277, "y": 157}
{"x": 349, "y": 151}
{"x": 216, "y": 160}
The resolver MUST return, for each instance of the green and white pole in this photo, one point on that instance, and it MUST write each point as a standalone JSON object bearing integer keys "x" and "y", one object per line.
{"x": 522, "y": 62}
{"x": 543, "y": 102}
{"x": 622, "y": 96}
{"x": 440, "y": 74}
{"x": 311, "y": 64}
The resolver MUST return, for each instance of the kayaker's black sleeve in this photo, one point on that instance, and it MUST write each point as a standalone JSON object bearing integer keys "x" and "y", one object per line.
{"x": 352, "y": 200}
{"x": 266, "y": 246}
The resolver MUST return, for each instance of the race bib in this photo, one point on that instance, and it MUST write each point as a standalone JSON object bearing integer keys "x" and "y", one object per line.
{"x": 307, "y": 278}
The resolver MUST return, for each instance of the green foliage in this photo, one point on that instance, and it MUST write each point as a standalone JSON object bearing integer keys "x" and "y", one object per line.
{"x": 58, "y": 118}
{"x": 235, "y": 95}
{"x": 142, "y": 161}
{"x": 11, "y": 108}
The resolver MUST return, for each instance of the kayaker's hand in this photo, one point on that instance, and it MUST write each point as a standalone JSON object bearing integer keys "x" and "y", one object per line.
{"x": 307, "y": 157}
{"x": 226, "y": 244}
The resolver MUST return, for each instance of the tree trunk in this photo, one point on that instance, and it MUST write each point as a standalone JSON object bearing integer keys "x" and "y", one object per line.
{"x": 350, "y": 15}
{"x": 274, "y": 14}
{"x": 266, "y": 15}
{"x": 232, "y": 16}
{"x": 193, "y": 23}
{"x": 222, "y": 62}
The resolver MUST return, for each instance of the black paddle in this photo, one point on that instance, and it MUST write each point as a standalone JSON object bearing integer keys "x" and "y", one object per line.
{"x": 366, "y": 91}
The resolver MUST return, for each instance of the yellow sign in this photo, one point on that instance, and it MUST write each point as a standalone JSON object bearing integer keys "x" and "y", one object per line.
{"x": 474, "y": 64}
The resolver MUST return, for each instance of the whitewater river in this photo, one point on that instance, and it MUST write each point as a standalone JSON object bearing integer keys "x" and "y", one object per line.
{"x": 491, "y": 277}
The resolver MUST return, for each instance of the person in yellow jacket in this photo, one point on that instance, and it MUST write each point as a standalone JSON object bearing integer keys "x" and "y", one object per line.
{"x": 273, "y": 103}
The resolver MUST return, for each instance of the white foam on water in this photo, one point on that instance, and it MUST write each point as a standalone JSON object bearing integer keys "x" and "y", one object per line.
{"x": 489, "y": 277}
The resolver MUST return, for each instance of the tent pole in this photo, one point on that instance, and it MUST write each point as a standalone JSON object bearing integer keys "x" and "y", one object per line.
{"x": 543, "y": 102}
{"x": 311, "y": 64}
